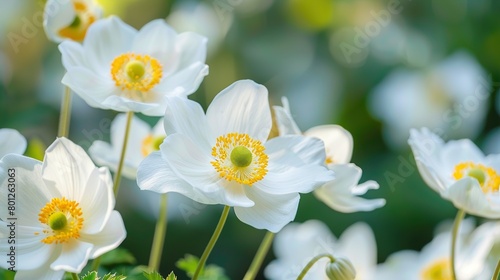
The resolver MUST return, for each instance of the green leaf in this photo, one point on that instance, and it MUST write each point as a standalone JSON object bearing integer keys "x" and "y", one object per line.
{"x": 117, "y": 256}
{"x": 209, "y": 272}
{"x": 92, "y": 275}
{"x": 188, "y": 264}
{"x": 36, "y": 149}
{"x": 153, "y": 275}
{"x": 171, "y": 276}
{"x": 113, "y": 276}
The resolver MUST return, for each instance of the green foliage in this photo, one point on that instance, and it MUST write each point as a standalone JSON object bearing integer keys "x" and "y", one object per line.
{"x": 117, "y": 256}
{"x": 92, "y": 275}
{"x": 36, "y": 149}
{"x": 171, "y": 276}
{"x": 6, "y": 274}
{"x": 210, "y": 272}
{"x": 153, "y": 275}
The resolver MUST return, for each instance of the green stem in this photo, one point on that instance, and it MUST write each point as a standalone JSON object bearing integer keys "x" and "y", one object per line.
{"x": 456, "y": 225}
{"x": 74, "y": 276}
{"x": 312, "y": 262}
{"x": 212, "y": 241}
{"x": 497, "y": 271}
{"x": 118, "y": 174}
{"x": 65, "y": 115}
{"x": 259, "y": 256}
{"x": 159, "y": 237}
{"x": 95, "y": 263}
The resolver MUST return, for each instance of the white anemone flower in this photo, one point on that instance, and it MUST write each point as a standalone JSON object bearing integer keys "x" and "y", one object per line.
{"x": 11, "y": 141}
{"x": 223, "y": 157}
{"x": 450, "y": 97}
{"x": 69, "y": 19}
{"x": 142, "y": 141}
{"x": 433, "y": 261}
{"x": 122, "y": 69}
{"x": 459, "y": 172}
{"x": 297, "y": 244}
{"x": 63, "y": 212}
{"x": 341, "y": 193}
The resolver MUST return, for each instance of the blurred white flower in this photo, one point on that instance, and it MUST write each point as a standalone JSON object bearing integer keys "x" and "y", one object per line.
{"x": 459, "y": 172}
{"x": 142, "y": 141}
{"x": 494, "y": 254}
{"x": 223, "y": 157}
{"x": 64, "y": 210}
{"x": 450, "y": 98}
{"x": 201, "y": 18}
{"x": 342, "y": 192}
{"x": 297, "y": 244}
{"x": 433, "y": 262}
{"x": 70, "y": 19}
{"x": 11, "y": 142}
{"x": 120, "y": 68}
{"x": 491, "y": 143}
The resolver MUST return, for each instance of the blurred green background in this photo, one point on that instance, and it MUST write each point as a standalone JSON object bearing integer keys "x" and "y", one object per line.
{"x": 375, "y": 67}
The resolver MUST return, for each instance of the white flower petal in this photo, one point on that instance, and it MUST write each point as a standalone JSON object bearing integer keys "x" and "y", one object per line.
{"x": 287, "y": 173}
{"x": 109, "y": 238}
{"x": 11, "y": 141}
{"x": 92, "y": 88}
{"x": 97, "y": 201}
{"x": 57, "y": 15}
{"x": 123, "y": 104}
{"x": 139, "y": 131}
{"x": 68, "y": 167}
{"x": 191, "y": 48}
{"x": 426, "y": 146}
{"x": 271, "y": 212}
{"x": 466, "y": 194}
{"x": 242, "y": 107}
{"x": 309, "y": 150}
{"x": 189, "y": 162}
{"x": 286, "y": 124}
{"x": 155, "y": 174}
{"x": 157, "y": 39}
{"x": 106, "y": 39}
{"x": 338, "y": 141}
{"x": 341, "y": 193}
{"x": 31, "y": 193}
{"x": 42, "y": 273}
{"x": 458, "y": 151}
{"x": 72, "y": 54}
{"x": 186, "y": 117}
{"x": 73, "y": 257}
{"x": 159, "y": 128}
{"x": 31, "y": 252}
{"x": 358, "y": 244}
{"x": 104, "y": 154}
{"x": 183, "y": 82}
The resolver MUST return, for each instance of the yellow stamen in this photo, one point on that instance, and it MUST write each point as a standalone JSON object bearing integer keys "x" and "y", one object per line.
{"x": 238, "y": 157}
{"x": 63, "y": 218}
{"x": 136, "y": 72}
{"x": 77, "y": 29}
{"x": 151, "y": 144}
{"x": 438, "y": 270}
{"x": 486, "y": 176}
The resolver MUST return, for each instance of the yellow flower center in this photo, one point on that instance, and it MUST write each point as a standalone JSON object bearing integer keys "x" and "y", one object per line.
{"x": 136, "y": 72}
{"x": 78, "y": 28}
{"x": 151, "y": 144}
{"x": 63, "y": 218}
{"x": 438, "y": 270}
{"x": 238, "y": 157}
{"x": 487, "y": 177}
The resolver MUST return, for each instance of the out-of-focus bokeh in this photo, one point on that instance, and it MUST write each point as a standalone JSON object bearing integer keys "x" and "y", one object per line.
{"x": 376, "y": 67}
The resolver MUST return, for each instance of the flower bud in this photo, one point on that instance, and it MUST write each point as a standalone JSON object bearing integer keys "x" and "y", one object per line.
{"x": 340, "y": 269}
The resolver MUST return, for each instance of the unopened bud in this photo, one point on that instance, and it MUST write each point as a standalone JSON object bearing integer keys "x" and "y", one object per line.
{"x": 340, "y": 269}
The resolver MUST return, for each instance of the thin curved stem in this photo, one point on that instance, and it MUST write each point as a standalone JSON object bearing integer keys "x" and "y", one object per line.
{"x": 65, "y": 115}
{"x": 497, "y": 272}
{"x": 312, "y": 262}
{"x": 454, "y": 234}
{"x": 95, "y": 263}
{"x": 74, "y": 276}
{"x": 259, "y": 256}
{"x": 211, "y": 243}
{"x": 159, "y": 237}
{"x": 118, "y": 174}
